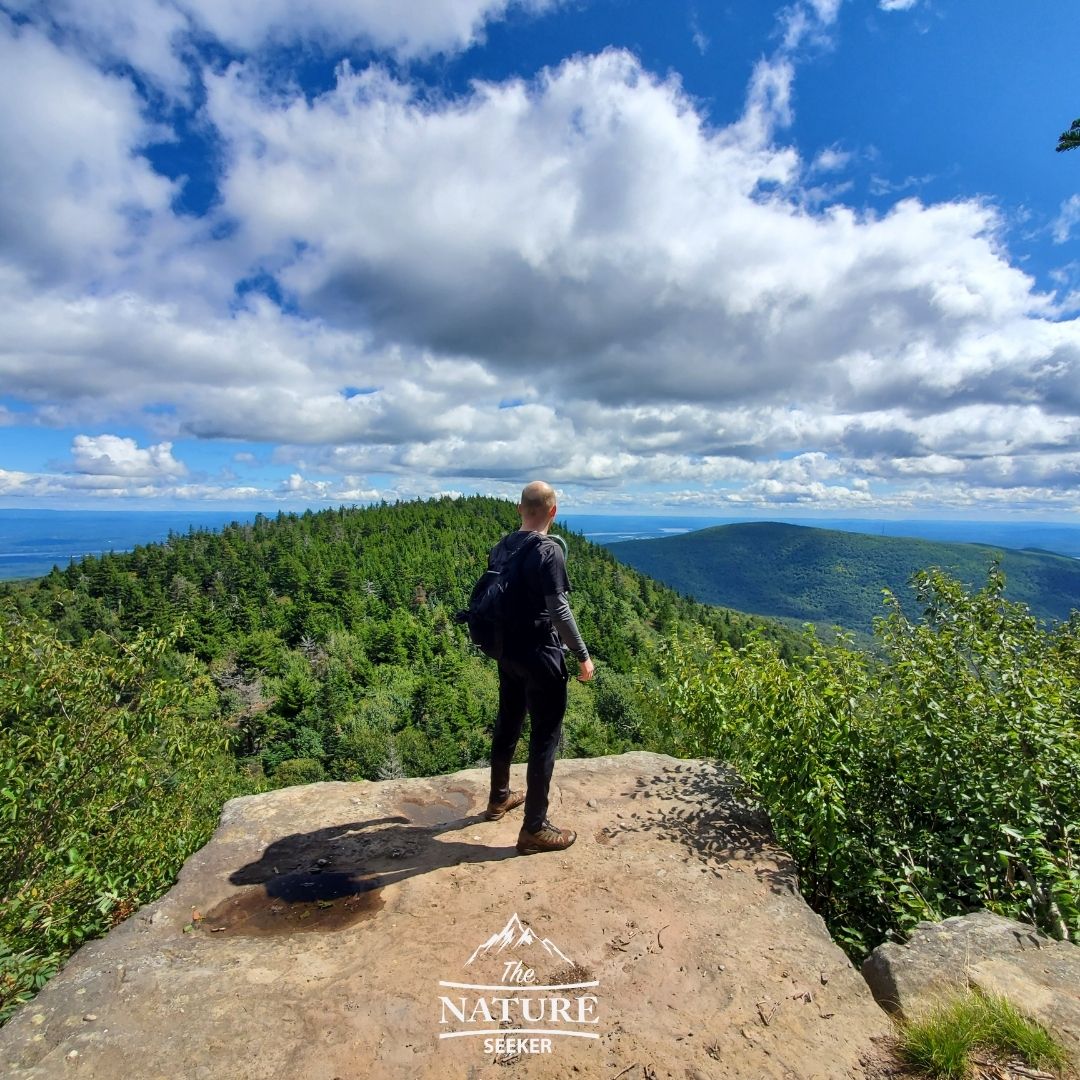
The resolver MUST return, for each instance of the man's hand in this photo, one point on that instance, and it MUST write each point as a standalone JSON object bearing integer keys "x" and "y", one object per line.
{"x": 585, "y": 670}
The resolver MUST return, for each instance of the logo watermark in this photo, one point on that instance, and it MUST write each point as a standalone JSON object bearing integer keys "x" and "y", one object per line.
{"x": 523, "y": 1012}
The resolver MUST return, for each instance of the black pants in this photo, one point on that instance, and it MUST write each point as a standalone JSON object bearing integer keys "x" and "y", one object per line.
{"x": 536, "y": 685}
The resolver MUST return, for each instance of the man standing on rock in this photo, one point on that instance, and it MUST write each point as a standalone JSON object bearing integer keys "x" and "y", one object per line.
{"x": 532, "y": 671}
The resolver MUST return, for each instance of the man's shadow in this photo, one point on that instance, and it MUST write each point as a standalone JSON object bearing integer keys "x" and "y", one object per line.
{"x": 333, "y": 877}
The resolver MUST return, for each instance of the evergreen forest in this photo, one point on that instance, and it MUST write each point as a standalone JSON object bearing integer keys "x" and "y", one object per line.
{"x": 931, "y": 775}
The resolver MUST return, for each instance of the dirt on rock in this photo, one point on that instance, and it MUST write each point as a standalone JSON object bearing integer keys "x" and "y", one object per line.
{"x": 348, "y": 931}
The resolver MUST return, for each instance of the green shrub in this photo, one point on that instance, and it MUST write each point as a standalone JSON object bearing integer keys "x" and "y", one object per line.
{"x": 934, "y": 781}
{"x": 295, "y": 771}
{"x": 113, "y": 768}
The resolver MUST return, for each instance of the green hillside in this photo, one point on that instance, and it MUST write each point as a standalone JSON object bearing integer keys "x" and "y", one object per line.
{"x": 836, "y": 578}
{"x": 331, "y": 641}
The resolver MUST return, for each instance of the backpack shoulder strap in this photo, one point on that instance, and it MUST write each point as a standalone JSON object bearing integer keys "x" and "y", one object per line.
{"x": 531, "y": 541}
{"x": 555, "y": 538}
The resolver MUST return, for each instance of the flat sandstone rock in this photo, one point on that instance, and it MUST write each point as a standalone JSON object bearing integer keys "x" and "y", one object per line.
{"x": 359, "y": 930}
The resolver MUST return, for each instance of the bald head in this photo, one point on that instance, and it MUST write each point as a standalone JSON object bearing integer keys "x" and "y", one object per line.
{"x": 537, "y": 506}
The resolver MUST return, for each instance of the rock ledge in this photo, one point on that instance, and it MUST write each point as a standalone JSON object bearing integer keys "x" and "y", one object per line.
{"x": 336, "y": 931}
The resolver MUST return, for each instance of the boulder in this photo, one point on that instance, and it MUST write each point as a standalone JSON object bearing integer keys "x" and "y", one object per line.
{"x": 340, "y": 931}
{"x": 1037, "y": 974}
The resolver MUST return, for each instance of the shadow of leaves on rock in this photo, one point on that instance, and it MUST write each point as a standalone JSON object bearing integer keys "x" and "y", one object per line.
{"x": 705, "y": 807}
{"x": 333, "y": 877}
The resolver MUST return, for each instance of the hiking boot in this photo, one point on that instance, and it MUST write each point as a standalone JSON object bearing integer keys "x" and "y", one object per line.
{"x": 547, "y": 838}
{"x": 496, "y": 809}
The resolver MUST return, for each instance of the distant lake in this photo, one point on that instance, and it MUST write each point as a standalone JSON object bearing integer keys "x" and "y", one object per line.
{"x": 33, "y": 541}
{"x": 614, "y": 528}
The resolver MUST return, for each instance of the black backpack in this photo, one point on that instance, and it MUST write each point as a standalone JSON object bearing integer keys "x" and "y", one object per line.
{"x": 489, "y": 616}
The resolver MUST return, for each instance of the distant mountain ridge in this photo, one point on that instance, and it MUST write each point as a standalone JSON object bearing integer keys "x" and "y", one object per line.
{"x": 832, "y": 577}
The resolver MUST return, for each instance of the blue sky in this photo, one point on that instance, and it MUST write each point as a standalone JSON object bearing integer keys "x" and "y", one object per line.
{"x": 732, "y": 258}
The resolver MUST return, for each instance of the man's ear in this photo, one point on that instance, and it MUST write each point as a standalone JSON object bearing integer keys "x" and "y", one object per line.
{"x": 552, "y": 512}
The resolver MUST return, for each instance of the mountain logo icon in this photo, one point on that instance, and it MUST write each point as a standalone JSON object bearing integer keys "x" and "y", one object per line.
{"x": 516, "y": 935}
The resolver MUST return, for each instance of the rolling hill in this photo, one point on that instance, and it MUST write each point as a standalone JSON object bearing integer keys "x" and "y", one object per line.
{"x": 330, "y": 642}
{"x": 836, "y": 578}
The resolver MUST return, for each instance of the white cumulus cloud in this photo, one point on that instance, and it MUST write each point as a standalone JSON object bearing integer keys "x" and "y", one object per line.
{"x": 116, "y": 456}
{"x": 78, "y": 201}
{"x": 159, "y": 37}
